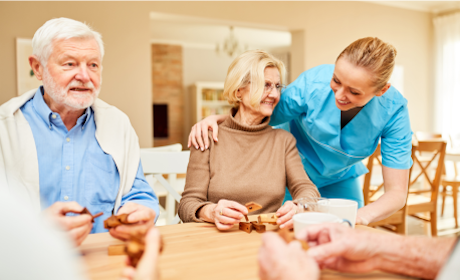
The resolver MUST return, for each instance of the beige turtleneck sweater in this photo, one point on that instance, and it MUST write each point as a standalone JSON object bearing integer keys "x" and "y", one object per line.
{"x": 249, "y": 163}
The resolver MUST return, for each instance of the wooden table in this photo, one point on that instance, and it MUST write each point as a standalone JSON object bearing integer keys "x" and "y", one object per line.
{"x": 198, "y": 251}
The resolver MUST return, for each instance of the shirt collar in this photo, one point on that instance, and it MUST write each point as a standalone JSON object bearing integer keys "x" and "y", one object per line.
{"x": 45, "y": 112}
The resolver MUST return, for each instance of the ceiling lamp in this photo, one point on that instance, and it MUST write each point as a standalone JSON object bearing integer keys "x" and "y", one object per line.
{"x": 230, "y": 46}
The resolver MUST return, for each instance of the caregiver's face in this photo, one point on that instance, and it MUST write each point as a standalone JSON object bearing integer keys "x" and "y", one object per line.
{"x": 352, "y": 85}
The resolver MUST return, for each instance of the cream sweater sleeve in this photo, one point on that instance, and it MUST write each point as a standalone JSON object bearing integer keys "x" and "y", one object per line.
{"x": 195, "y": 194}
{"x": 298, "y": 182}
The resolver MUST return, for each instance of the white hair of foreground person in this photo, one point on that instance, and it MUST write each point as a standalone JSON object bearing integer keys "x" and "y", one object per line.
{"x": 61, "y": 28}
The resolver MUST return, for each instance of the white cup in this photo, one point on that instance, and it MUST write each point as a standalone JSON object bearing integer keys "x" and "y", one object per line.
{"x": 343, "y": 208}
{"x": 303, "y": 220}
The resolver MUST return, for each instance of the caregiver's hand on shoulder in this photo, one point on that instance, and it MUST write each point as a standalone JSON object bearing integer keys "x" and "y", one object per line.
{"x": 224, "y": 214}
{"x": 198, "y": 136}
{"x": 281, "y": 261}
{"x": 285, "y": 215}
{"x": 341, "y": 248}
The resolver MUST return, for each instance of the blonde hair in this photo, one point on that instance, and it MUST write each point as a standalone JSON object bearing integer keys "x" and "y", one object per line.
{"x": 374, "y": 55}
{"x": 248, "y": 68}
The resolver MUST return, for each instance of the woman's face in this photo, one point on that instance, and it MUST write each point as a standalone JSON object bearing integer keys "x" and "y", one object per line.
{"x": 270, "y": 97}
{"x": 352, "y": 85}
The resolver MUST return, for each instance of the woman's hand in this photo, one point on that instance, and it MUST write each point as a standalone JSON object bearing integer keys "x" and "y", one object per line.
{"x": 198, "y": 136}
{"x": 224, "y": 214}
{"x": 285, "y": 214}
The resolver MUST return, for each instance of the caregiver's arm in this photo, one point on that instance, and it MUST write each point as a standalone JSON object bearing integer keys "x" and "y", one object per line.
{"x": 198, "y": 136}
{"x": 395, "y": 185}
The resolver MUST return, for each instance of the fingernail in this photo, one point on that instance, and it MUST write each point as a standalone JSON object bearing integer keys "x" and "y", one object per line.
{"x": 206, "y": 147}
{"x": 217, "y": 139}
{"x": 277, "y": 214}
{"x": 202, "y": 149}
{"x": 281, "y": 226}
{"x": 197, "y": 147}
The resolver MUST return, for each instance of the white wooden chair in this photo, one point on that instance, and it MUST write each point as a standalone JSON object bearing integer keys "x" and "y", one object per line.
{"x": 159, "y": 161}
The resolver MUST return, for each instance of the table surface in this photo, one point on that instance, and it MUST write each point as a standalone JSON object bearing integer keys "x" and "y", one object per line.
{"x": 198, "y": 251}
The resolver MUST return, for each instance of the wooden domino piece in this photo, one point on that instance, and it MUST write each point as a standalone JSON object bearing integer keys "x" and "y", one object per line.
{"x": 116, "y": 250}
{"x": 247, "y": 227}
{"x": 252, "y": 206}
{"x": 258, "y": 227}
{"x": 263, "y": 218}
{"x": 114, "y": 221}
{"x": 86, "y": 211}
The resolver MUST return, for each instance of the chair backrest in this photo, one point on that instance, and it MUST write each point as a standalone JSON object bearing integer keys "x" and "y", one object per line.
{"x": 437, "y": 150}
{"x": 367, "y": 191}
{"x": 172, "y": 163}
{"x": 169, "y": 148}
{"x": 164, "y": 162}
{"x": 422, "y": 136}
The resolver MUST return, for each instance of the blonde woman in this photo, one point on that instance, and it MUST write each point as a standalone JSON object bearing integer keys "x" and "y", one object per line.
{"x": 252, "y": 161}
{"x": 338, "y": 114}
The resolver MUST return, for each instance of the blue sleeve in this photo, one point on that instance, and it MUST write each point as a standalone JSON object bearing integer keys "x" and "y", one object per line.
{"x": 142, "y": 193}
{"x": 293, "y": 101}
{"x": 396, "y": 142}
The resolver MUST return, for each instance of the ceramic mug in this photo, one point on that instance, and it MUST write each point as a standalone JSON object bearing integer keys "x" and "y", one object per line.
{"x": 343, "y": 208}
{"x": 303, "y": 220}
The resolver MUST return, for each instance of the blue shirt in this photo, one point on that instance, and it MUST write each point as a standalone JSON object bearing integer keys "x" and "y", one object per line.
{"x": 73, "y": 167}
{"x": 331, "y": 154}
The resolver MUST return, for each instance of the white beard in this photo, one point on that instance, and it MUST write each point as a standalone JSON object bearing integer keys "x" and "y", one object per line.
{"x": 60, "y": 96}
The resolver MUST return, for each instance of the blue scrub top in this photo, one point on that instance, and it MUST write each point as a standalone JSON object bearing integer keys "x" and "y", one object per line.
{"x": 331, "y": 154}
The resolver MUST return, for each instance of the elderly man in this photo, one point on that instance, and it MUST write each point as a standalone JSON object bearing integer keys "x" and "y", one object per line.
{"x": 63, "y": 145}
{"x": 337, "y": 247}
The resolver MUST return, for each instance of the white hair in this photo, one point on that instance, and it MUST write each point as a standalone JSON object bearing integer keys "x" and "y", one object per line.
{"x": 61, "y": 28}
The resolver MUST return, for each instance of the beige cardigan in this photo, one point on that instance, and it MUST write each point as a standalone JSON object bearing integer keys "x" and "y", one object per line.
{"x": 18, "y": 155}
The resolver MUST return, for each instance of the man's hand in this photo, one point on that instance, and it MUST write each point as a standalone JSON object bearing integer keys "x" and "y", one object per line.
{"x": 285, "y": 214}
{"x": 139, "y": 216}
{"x": 278, "y": 260}
{"x": 147, "y": 268}
{"x": 77, "y": 226}
{"x": 341, "y": 248}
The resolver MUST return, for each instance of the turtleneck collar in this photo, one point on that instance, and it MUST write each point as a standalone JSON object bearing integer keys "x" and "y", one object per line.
{"x": 232, "y": 123}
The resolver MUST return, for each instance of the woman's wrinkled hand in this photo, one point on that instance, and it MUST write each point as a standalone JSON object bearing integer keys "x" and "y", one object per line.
{"x": 226, "y": 213}
{"x": 285, "y": 214}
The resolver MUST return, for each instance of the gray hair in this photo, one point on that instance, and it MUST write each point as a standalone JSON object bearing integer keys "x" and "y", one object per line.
{"x": 61, "y": 28}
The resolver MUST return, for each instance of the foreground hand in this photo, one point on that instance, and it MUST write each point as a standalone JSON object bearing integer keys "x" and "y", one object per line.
{"x": 198, "y": 136}
{"x": 361, "y": 221}
{"x": 278, "y": 260}
{"x": 341, "y": 248}
{"x": 139, "y": 216}
{"x": 147, "y": 268}
{"x": 225, "y": 213}
{"x": 285, "y": 214}
{"x": 78, "y": 227}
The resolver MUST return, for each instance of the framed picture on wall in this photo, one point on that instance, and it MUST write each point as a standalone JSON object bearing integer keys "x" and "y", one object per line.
{"x": 25, "y": 77}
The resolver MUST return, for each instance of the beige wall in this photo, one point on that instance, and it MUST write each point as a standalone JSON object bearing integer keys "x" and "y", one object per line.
{"x": 127, "y": 67}
{"x": 327, "y": 28}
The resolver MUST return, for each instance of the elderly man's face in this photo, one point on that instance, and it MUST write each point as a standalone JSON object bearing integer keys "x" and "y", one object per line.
{"x": 72, "y": 76}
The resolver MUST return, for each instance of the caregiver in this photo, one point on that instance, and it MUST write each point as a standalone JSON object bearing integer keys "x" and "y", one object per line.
{"x": 338, "y": 114}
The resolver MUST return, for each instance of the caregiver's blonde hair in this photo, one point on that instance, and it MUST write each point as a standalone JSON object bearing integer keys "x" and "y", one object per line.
{"x": 374, "y": 55}
{"x": 248, "y": 69}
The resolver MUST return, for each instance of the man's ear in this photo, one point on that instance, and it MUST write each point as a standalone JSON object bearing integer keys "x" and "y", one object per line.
{"x": 36, "y": 66}
{"x": 383, "y": 90}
